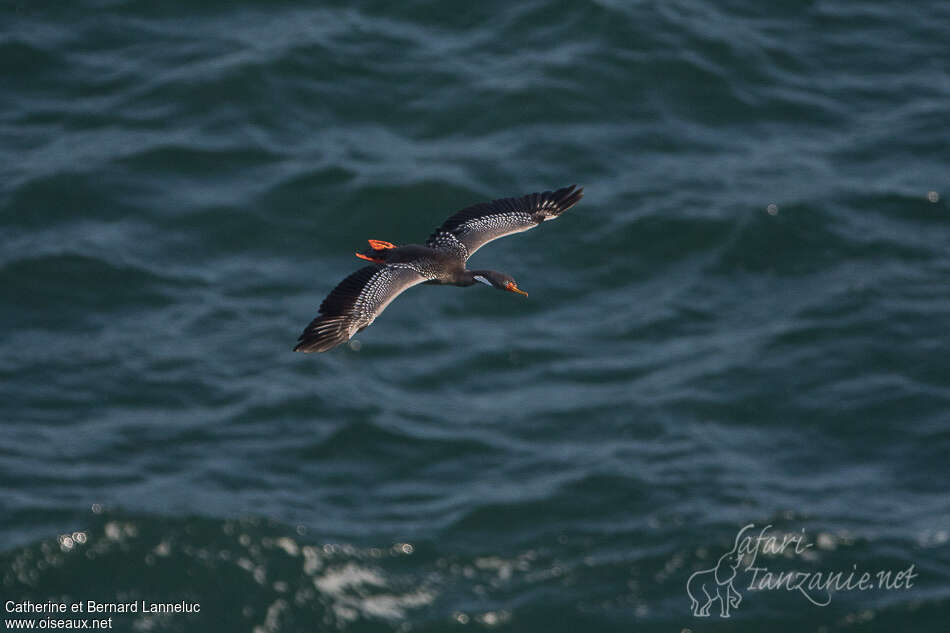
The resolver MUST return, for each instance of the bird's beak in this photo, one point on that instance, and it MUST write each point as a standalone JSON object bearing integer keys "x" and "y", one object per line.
{"x": 513, "y": 288}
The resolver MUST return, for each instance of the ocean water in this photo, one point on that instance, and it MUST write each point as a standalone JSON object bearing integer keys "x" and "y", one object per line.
{"x": 744, "y": 322}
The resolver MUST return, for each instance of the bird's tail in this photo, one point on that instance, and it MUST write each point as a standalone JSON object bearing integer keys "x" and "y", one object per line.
{"x": 378, "y": 252}
{"x": 323, "y": 333}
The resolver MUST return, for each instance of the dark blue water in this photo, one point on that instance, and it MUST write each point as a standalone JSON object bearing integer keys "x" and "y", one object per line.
{"x": 744, "y": 321}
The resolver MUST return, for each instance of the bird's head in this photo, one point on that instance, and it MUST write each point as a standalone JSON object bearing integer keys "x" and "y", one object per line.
{"x": 498, "y": 280}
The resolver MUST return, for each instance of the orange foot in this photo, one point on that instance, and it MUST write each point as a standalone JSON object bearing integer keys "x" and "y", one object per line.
{"x": 379, "y": 245}
{"x": 375, "y": 260}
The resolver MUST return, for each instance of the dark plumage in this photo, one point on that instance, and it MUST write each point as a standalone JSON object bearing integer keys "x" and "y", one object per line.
{"x": 475, "y": 226}
{"x": 357, "y": 300}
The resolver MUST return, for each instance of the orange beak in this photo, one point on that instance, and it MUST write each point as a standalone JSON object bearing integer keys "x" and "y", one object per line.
{"x": 511, "y": 287}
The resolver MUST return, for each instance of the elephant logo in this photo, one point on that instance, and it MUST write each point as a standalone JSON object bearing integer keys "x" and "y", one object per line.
{"x": 707, "y": 586}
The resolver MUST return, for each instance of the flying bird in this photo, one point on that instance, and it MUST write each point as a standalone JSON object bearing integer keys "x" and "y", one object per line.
{"x": 356, "y": 302}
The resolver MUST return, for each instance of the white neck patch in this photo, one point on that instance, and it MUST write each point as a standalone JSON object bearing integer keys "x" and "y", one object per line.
{"x": 483, "y": 280}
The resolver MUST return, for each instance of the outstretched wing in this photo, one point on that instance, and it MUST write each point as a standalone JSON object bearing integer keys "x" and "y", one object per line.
{"x": 354, "y": 304}
{"x": 472, "y": 227}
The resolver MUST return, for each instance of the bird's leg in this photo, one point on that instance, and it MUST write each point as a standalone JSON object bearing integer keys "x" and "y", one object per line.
{"x": 377, "y": 246}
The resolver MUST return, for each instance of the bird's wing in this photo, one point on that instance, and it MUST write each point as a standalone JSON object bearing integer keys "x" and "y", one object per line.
{"x": 472, "y": 227}
{"x": 355, "y": 303}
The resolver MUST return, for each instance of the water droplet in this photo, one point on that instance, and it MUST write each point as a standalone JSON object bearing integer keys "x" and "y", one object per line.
{"x": 772, "y": 209}
{"x": 933, "y": 196}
